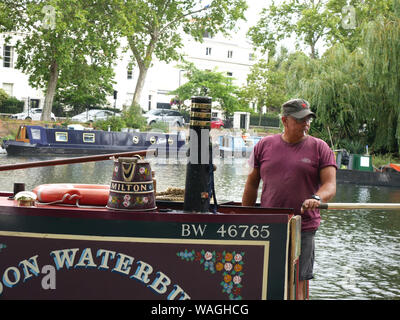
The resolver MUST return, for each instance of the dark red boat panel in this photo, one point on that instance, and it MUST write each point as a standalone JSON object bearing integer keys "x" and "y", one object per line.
{"x": 241, "y": 214}
{"x": 95, "y": 253}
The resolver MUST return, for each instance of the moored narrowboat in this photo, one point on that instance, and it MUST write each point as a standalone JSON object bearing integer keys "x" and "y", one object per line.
{"x": 38, "y": 140}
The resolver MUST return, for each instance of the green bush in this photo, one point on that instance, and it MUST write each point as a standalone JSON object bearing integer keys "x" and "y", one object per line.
{"x": 3, "y": 96}
{"x": 159, "y": 126}
{"x": 115, "y": 124}
{"x": 11, "y": 105}
{"x": 266, "y": 120}
{"x": 133, "y": 118}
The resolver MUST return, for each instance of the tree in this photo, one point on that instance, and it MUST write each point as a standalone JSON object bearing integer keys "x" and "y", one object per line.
{"x": 339, "y": 93}
{"x": 10, "y": 13}
{"x": 315, "y": 22}
{"x": 156, "y": 31}
{"x": 63, "y": 37}
{"x": 89, "y": 88}
{"x": 214, "y": 84}
{"x": 266, "y": 84}
{"x": 347, "y": 19}
{"x": 382, "y": 48}
{"x": 305, "y": 19}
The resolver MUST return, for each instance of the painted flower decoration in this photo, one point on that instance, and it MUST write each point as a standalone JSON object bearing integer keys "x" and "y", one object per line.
{"x": 208, "y": 255}
{"x": 219, "y": 266}
{"x": 227, "y": 278}
{"x": 238, "y": 267}
{"x": 237, "y": 279}
{"x": 229, "y": 263}
{"x": 238, "y": 257}
{"x": 126, "y": 204}
{"x": 228, "y": 256}
{"x": 228, "y": 266}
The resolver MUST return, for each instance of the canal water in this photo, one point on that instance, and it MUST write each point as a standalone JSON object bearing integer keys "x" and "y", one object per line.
{"x": 357, "y": 251}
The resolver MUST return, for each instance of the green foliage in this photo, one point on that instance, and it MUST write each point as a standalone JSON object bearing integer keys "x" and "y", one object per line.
{"x": 352, "y": 146}
{"x": 266, "y": 84}
{"x": 264, "y": 120}
{"x": 114, "y": 123}
{"x": 354, "y": 87}
{"x": 331, "y": 21}
{"x": 305, "y": 19}
{"x": 217, "y": 85}
{"x": 133, "y": 118}
{"x": 3, "y": 96}
{"x": 379, "y": 160}
{"x": 71, "y": 51}
{"x": 10, "y": 104}
{"x": 159, "y": 127}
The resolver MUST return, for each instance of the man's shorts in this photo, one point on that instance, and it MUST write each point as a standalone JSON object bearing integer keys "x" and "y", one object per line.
{"x": 306, "y": 260}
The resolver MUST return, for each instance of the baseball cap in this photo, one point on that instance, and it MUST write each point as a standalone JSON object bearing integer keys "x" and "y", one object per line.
{"x": 297, "y": 108}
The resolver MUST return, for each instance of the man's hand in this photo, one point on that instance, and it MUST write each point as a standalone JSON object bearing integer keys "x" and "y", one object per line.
{"x": 310, "y": 204}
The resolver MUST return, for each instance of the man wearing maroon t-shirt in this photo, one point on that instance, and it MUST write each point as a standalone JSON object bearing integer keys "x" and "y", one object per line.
{"x": 298, "y": 171}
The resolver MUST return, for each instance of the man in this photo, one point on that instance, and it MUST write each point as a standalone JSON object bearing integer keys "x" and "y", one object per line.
{"x": 298, "y": 171}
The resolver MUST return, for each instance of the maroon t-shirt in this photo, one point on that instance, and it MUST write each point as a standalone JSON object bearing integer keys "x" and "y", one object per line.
{"x": 290, "y": 173}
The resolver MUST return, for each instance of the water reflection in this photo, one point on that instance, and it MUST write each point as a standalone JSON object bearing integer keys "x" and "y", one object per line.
{"x": 357, "y": 251}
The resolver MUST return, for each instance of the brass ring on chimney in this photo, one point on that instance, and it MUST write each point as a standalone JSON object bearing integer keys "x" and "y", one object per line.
{"x": 201, "y": 115}
{"x": 201, "y": 105}
{"x": 197, "y": 123}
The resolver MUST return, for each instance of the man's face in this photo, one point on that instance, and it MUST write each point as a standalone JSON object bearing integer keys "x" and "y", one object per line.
{"x": 297, "y": 127}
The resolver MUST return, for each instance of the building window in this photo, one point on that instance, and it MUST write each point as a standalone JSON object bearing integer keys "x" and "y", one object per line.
{"x": 229, "y": 74}
{"x": 8, "y": 52}
{"x": 8, "y": 88}
{"x": 129, "y": 74}
{"x": 208, "y": 51}
{"x": 230, "y": 53}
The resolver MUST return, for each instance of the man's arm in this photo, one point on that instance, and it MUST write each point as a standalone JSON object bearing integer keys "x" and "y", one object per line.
{"x": 250, "y": 192}
{"x": 328, "y": 183}
{"x": 326, "y": 191}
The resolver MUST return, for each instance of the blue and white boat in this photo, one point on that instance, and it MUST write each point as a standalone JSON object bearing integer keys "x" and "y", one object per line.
{"x": 37, "y": 140}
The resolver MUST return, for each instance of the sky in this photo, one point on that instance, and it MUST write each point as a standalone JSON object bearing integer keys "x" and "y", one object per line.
{"x": 252, "y": 15}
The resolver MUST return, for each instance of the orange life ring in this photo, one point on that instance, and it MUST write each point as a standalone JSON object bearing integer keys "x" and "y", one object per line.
{"x": 84, "y": 194}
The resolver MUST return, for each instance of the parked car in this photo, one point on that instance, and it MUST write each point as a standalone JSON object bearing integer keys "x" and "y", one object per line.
{"x": 93, "y": 115}
{"x": 172, "y": 117}
{"x": 33, "y": 114}
{"x": 217, "y": 123}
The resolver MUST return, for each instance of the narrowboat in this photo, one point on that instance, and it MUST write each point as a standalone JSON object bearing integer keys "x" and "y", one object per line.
{"x": 358, "y": 169}
{"x": 127, "y": 244}
{"x": 38, "y": 140}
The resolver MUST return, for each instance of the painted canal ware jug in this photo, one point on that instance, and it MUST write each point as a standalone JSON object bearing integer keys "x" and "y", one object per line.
{"x": 132, "y": 185}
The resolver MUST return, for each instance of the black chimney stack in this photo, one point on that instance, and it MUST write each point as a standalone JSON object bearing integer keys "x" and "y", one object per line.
{"x": 197, "y": 188}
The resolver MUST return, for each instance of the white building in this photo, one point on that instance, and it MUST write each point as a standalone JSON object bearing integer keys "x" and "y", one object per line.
{"x": 14, "y": 82}
{"x": 235, "y": 57}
